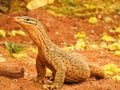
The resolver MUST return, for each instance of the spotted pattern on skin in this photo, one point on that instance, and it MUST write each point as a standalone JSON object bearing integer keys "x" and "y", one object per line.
{"x": 66, "y": 67}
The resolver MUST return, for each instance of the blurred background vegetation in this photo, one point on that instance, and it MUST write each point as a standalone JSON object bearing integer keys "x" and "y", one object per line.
{"x": 79, "y": 8}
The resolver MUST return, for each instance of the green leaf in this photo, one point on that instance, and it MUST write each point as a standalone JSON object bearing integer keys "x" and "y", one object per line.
{"x": 13, "y": 48}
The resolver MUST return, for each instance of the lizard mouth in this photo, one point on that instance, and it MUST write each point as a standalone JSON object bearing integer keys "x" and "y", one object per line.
{"x": 18, "y": 19}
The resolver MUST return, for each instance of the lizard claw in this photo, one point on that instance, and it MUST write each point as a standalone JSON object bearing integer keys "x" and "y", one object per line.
{"x": 51, "y": 87}
{"x": 38, "y": 80}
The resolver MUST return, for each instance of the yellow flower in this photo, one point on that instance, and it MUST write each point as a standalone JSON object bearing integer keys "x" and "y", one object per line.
{"x": 80, "y": 45}
{"x": 114, "y": 46}
{"x": 80, "y": 35}
{"x": 117, "y": 53}
{"x": 19, "y": 55}
{"x": 117, "y": 30}
{"x": 2, "y": 33}
{"x": 111, "y": 69}
{"x": 116, "y": 78}
{"x": 106, "y": 37}
{"x": 93, "y": 20}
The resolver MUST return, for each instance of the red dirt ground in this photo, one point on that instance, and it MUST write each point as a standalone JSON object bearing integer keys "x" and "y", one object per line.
{"x": 60, "y": 30}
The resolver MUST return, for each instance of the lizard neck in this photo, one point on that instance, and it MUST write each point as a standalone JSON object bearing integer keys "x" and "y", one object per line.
{"x": 40, "y": 37}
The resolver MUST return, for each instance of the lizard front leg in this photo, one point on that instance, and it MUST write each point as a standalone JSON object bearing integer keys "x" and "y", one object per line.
{"x": 41, "y": 70}
{"x": 58, "y": 82}
{"x": 59, "y": 76}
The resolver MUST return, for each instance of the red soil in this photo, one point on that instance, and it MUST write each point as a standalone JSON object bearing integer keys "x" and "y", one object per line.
{"x": 60, "y": 30}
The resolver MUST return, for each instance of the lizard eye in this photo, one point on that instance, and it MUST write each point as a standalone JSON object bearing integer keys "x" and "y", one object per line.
{"x": 31, "y": 21}
{"x": 27, "y": 19}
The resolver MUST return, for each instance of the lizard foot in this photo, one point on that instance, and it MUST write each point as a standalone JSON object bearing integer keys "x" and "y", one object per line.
{"x": 54, "y": 86}
{"x": 39, "y": 80}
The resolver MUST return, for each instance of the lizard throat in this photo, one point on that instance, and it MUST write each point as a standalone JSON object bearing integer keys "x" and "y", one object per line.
{"x": 39, "y": 37}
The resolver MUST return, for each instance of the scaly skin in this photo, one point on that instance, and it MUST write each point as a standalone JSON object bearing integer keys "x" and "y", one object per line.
{"x": 66, "y": 67}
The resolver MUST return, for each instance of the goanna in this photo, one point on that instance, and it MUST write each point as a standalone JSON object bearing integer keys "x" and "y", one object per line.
{"x": 66, "y": 67}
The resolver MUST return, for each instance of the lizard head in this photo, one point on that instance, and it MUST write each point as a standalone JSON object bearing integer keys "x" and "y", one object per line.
{"x": 25, "y": 21}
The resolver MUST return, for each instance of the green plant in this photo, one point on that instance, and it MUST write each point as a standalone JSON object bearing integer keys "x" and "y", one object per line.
{"x": 13, "y": 48}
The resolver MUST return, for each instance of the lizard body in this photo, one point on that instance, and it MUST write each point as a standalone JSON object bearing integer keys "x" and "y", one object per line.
{"x": 66, "y": 67}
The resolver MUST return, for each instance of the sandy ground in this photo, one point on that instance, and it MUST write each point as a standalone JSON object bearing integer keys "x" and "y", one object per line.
{"x": 60, "y": 30}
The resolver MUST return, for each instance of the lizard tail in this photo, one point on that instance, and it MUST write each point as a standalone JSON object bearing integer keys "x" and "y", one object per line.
{"x": 96, "y": 70}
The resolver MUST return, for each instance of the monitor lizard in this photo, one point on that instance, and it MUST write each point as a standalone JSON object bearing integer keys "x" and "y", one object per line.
{"x": 66, "y": 67}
